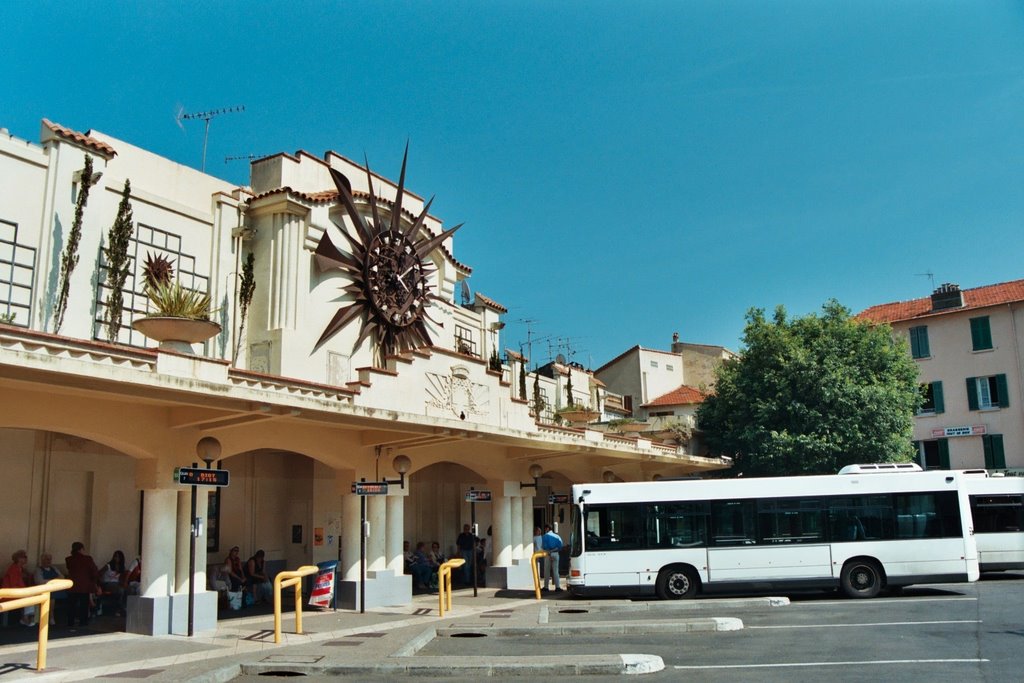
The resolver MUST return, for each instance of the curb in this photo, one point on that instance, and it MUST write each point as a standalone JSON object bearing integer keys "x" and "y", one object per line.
{"x": 601, "y": 628}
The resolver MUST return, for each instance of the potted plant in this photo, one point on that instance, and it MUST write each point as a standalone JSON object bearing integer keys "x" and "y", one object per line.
{"x": 577, "y": 414}
{"x": 628, "y": 424}
{"x": 182, "y": 315}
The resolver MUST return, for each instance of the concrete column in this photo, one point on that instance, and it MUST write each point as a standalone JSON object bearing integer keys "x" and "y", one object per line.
{"x": 349, "y": 539}
{"x": 159, "y": 519}
{"x": 527, "y": 524}
{"x": 376, "y": 515}
{"x": 502, "y": 550}
{"x": 395, "y": 530}
{"x": 515, "y": 528}
{"x": 181, "y": 552}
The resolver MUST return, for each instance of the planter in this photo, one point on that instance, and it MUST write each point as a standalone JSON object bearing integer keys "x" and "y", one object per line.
{"x": 581, "y": 416}
{"x": 176, "y": 334}
{"x": 633, "y": 427}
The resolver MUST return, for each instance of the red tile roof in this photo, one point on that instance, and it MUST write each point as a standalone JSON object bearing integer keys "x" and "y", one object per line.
{"x": 979, "y": 297}
{"x": 681, "y": 396}
{"x": 491, "y": 303}
{"x": 82, "y": 139}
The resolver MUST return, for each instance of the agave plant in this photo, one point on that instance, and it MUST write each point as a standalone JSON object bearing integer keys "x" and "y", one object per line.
{"x": 157, "y": 270}
{"x": 174, "y": 301}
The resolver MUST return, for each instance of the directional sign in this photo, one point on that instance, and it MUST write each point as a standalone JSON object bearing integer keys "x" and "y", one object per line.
{"x": 369, "y": 488}
{"x": 201, "y": 476}
{"x": 475, "y": 496}
{"x": 558, "y": 499}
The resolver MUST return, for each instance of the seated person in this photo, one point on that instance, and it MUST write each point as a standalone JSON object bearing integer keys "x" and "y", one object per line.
{"x": 257, "y": 579}
{"x": 133, "y": 577}
{"x": 112, "y": 576}
{"x": 420, "y": 567}
{"x": 45, "y": 572}
{"x": 436, "y": 558}
{"x": 15, "y": 578}
{"x": 232, "y": 571}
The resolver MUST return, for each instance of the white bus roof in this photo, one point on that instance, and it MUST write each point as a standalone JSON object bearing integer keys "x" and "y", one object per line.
{"x": 881, "y": 467}
{"x": 766, "y": 487}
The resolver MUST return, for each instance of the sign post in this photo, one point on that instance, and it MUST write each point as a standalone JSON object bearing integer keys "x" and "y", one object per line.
{"x": 363, "y": 489}
{"x": 473, "y": 497}
{"x": 208, "y": 449}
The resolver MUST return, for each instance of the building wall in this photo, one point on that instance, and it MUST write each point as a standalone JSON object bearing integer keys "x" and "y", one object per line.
{"x": 952, "y": 361}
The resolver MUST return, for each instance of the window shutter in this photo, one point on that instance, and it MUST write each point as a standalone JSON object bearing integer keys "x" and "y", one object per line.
{"x": 998, "y": 454}
{"x": 1003, "y": 391}
{"x": 972, "y": 394}
{"x": 940, "y": 406}
{"x": 981, "y": 334}
{"x": 919, "y": 342}
{"x": 944, "y": 453}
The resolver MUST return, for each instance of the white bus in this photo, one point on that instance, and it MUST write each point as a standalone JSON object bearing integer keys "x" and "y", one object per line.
{"x": 997, "y": 507}
{"x": 860, "y": 533}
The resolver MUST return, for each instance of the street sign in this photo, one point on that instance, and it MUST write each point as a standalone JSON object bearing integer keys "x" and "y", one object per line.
{"x": 558, "y": 499}
{"x": 369, "y": 488}
{"x": 200, "y": 476}
{"x": 475, "y": 496}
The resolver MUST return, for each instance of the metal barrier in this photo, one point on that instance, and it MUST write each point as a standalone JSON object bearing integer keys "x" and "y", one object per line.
{"x": 16, "y": 598}
{"x": 284, "y": 580}
{"x": 540, "y": 554}
{"x": 444, "y": 583}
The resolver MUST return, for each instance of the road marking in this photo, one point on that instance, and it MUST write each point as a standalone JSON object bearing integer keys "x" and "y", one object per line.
{"x": 869, "y": 603}
{"x": 798, "y": 664}
{"x": 877, "y": 623}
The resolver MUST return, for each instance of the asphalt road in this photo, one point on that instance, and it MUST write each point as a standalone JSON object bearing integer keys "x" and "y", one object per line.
{"x": 955, "y": 632}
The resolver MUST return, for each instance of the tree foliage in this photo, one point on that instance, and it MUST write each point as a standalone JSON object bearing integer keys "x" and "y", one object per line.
{"x": 69, "y": 259}
{"x": 809, "y": 395}
{"x": 246, "y": 289}
{"x": 118, "y": 240}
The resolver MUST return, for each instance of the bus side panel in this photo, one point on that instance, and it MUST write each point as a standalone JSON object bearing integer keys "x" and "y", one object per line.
{"x": 901, "y": 560}
{"x": 762, "y": 563}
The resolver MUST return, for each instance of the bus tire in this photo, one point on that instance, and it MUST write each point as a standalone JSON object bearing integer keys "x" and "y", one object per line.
{"x": 861, "y": 578}
{"x": 677, "y": 582}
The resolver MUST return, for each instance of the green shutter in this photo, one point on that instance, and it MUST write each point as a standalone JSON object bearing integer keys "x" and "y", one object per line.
{"x": 995, "y": 456}
{"x": 937, "y": 397}
{"x": 944, "y": 453}
{"x": 1003, "y": 391}
{"x": 981, "y": 334}
{"x": 972, "y": 394}
{"x": 919, "y": 342}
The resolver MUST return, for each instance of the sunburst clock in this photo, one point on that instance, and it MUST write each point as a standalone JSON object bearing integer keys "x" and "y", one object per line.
{"x": 388, "y": 271}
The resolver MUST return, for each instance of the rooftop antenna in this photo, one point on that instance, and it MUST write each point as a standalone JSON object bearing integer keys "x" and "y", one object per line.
{"x": 206, "y": 116}
{"x": 930, "y": 275}
{"x": 246, "y": 157}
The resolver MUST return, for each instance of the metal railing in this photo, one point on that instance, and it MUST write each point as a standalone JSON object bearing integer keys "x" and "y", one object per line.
{"x": 287, "y": 579}
{"x": 538, "y": 555}
{"x": 444, "y": 583}
{"x": 16, "y": 598}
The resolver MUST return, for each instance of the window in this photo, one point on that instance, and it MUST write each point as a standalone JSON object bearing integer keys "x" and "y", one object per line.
{"x": 670, "y": 368}
{"x": 934, "y": 454}
{"x": 654, "y": 363}
{"x": 997, "y": 513}
{"x": 927, "y": 515}
{"x": 933, "y": 401}
{"x": 981, "y": 334}
{"x": 676, "y": 525}
{"x": 790, "y": 520}
{"x": 995, "y": 457}
{"x": 732, "y": 523}
{"x": 858, "y": 518}
{"x": 464, "y": 341}
{"x": 984, "y": 393}
{"x": 919, "y": 342}
{"x": 619, "y": 526}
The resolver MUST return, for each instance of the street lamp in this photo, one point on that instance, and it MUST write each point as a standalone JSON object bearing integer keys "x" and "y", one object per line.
{"x": 535, "y": 472}
{"x": 208, "y": 449}
{"x": 608, "y": 476}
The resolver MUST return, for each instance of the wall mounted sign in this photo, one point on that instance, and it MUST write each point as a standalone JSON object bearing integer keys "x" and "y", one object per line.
{"x": 966, "y": 430}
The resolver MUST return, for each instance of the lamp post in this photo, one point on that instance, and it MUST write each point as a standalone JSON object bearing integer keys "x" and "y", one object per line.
{"x": 208, "y": 449}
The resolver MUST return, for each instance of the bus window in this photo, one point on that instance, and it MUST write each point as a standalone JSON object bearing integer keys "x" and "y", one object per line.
{"x": 861, "y": 518}
{"x": 676, "y": 525}
{"x": 997, "y": 514}
{"x": 790, "y": 520}
{"x": 927, "y": 515}
{"x": 732, "y": 523}
{"x": 615, "y": 527}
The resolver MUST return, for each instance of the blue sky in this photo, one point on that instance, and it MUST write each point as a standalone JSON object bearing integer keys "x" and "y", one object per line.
{"x": 624, "y": 169}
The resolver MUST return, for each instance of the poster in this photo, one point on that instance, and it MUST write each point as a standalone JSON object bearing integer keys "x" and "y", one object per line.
{"x": 323, "y": 587}
{"x": 318, "y": 535}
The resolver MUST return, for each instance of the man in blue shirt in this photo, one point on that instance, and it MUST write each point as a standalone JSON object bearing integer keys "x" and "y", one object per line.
{"x": 552, "y": 543}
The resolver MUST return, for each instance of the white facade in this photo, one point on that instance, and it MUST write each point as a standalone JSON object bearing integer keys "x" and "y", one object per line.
{"x": 92, "y": 432}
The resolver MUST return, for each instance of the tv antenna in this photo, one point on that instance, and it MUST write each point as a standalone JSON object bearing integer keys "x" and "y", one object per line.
{"x": 206, "y": 116}
{"x": 246, "y": 157}
{"x": 930, "y": 275}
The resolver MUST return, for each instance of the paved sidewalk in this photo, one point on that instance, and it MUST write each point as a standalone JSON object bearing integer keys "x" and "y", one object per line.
{"x": 381, "y": 641}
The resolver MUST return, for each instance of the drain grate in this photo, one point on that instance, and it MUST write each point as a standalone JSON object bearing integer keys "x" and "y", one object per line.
{"x": 280, "y": 674}
{"x": 292, "y": 659}
{"x": 573, "y": 611}
{"x": 468, "y": 634}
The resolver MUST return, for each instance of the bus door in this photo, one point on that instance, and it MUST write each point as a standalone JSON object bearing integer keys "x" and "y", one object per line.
{"x": 609, "y": 533}
{"x": 767, "y": 539}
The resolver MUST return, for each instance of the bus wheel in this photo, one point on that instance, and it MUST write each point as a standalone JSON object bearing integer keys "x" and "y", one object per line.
{"x": 676, "y": 583}
{"x": 861, "y": 579}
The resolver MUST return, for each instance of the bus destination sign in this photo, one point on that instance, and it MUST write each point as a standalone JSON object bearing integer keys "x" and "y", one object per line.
{"x": 369, "y": 488}
{"x": 475, "y": 496}
{"x": 200, "y": 476}
{"x": 558, "y": 499}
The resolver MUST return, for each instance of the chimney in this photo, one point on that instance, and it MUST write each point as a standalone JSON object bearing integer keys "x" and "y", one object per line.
{"x": 947, "y": 295}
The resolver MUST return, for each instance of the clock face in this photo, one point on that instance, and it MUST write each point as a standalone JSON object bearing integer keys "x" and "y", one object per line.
{"x": 395, "y": 279}
{"x": 388, "y": 272}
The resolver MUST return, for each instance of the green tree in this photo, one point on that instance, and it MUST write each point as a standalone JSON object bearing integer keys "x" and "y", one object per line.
{"x": 246, "y": 288}
{"x": 522, "y": 379}
{"x": 809, "y": 395}
{"x": 118, "y": 240}
{"x": 69, "y": 259}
